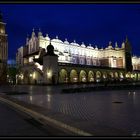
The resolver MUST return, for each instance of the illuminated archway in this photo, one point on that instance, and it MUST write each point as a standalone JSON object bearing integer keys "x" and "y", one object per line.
{"x": 63, "y": 76}
{"x": 98, "y": 76}
{"x": 73, "y": 76}
{"x": 20, "y": 77}
{"x": 128, "y": 75}
{"x": 139, "y": 76}
{"x": 91, "y": 76}
{"x": 134, "y": 76}
{"x": 111, "y": 75}
{"x": 121, "y": 76}
{"x": 116, "y": 75}
{"x": 31, "y": 75}
{"x": 104, "y": 75}
{"x": 82, "y": 76}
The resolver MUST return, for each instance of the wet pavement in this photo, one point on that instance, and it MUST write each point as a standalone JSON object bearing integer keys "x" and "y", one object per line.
{"x": 13, "y": 123}
{"x": 101, "y": 113}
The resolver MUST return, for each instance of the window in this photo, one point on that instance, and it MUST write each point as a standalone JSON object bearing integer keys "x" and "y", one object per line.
{"x": 66, "y": 57}
{"x": 81, "y": 62}
{"x": 94, "y": 62}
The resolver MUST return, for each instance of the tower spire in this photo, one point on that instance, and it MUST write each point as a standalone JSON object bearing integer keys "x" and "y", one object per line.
{"x": 33, "y": 33}
{"x": 116, "y": 45}
{"x": 110, "y": 43}
{"x": 126, "y": 39}
{"x": 27, "y": 39}
{"x": 128, "y": 56}
{"x": 39, "y": 33}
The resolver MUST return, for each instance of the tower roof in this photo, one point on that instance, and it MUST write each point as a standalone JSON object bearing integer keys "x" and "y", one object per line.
{"x": 116, "y": 45}
{"x": 39, "y": 33}
{"x": 57, "y": 40}
{"x": 47, "y": 37}
{"x": 66, "y": 41}
{"x": 50, "y": 50}
{"x": 126, "y": 40}
{"x": 83, "y": 45}
{"x": 127, "y": 45}
{"x": 33, "y": 33}
{"x": 74, "y": 43}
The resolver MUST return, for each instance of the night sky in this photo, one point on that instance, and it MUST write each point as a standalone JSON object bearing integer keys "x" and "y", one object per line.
{"x": 95, "y": 24}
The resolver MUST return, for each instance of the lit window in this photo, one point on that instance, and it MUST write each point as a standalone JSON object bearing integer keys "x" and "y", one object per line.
{"x": 31, "y": 59}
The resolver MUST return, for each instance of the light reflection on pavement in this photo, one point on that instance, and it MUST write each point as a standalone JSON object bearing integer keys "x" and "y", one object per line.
{"x": 103, "y": 112}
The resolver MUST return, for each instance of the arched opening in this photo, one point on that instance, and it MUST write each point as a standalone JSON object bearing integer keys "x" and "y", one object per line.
{"x": 104, "y": 76}
{"x": 121, "y": 76}
{"x": 35, "y": 77}
{"x": 91, "y": 76}
{"x": 26, "y": 79}
{"x": 116, "y": 75}
{"x": 111, "y": 76}
{"x": 20, "y": 78}
{"x": 83, "y": 76}
{"x": 98, "y": 76}
{"x": 63, "y": 76}
{"x": 128, "y": 76}
{"x": 138, "y": 76}
{"x": 73, "y": 76}
{"x": 31, "y": 76}
{"x": 134, "y": 76}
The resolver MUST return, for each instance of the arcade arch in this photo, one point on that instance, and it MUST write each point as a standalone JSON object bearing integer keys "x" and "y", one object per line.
{"x": 111, "y": 75}
{"x": 82, "y": 76}
{"x": 105, "y": 76}
{"x": 73, "y": 76}
{"x": 63, "y": 76}
{"x": 116, "y": 75}
{"x": 91, "y": 76}
{"x": 98, "y": 76}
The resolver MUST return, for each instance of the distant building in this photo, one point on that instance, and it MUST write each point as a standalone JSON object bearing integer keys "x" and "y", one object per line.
{"x": 11, "y": 71}
{"x": 19, "y": 56}
{"x": 3, "y": 51}
{"x": 11, "y": 63}
{"x": 74, "y": 62}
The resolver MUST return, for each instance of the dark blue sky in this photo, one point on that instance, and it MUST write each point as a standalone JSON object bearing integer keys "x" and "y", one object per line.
{"x": 89, "y": 23}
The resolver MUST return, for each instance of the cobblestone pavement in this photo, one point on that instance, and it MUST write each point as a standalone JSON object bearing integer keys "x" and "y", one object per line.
{"x": 102, "y": 113}
{"x": 13, "y": 123}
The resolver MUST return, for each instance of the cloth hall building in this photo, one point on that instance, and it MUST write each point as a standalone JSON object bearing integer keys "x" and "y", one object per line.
{"x": 52, "y": 61}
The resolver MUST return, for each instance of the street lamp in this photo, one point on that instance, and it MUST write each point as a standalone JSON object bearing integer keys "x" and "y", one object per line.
{"x": 31, "y": 75}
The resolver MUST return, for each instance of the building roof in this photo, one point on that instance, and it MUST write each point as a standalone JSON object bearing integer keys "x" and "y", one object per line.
{"x": 34, "y": 53}
{"x": 66, "y": 41}
{"x": 74, "y": 43}
{"x": 39, "y": 60}
{"x": 50, "y": 50}
{"x": 57, "y": 40}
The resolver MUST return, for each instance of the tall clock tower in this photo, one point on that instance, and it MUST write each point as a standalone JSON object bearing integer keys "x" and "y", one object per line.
{"x": 128, "y": 56}
{"x": 3, "y": 51}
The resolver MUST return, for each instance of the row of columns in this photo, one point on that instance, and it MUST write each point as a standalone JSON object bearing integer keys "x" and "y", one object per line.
{"x": 98, "y": 76}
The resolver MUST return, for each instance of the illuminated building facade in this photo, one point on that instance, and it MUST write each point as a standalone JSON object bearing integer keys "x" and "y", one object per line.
{"x": 71, "y": 62}
{"x": 3, "y": 51}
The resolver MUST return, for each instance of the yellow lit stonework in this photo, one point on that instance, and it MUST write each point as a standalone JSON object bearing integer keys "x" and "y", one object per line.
{"x": 73, "y": 62}
{"x": 76, "y": 53}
